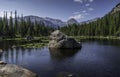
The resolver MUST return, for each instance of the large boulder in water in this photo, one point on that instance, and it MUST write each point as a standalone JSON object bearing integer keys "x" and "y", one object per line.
{"x": 60, "y": 40}
{"x": 10, "y": 70}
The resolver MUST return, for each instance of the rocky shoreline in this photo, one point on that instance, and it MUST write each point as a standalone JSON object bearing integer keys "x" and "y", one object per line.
{"x": 11, "y": 70}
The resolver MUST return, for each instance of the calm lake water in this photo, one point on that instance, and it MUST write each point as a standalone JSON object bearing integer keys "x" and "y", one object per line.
{"x": 95, "y": 59}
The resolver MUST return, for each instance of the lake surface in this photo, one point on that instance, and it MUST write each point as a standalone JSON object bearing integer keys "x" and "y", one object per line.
{"x": 95, "y": 59}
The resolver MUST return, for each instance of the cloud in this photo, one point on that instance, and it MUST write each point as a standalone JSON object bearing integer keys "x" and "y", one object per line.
{"x": 87, "y": 4}
{"x": 90, "y": 9}
{"x": 86, "y": 14}
{"x": 77, "y": 16}
{"x": 8, "y": 14}
{"x": 91, "y": 0}
{"x": 84, "y": 11}
{"x": 76, "y": 12}
{"x": 1, "y": 14}
{"x": 81, "y": 1}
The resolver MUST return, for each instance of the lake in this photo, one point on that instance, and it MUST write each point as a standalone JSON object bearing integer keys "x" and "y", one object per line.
{"x": 96, "y": 58}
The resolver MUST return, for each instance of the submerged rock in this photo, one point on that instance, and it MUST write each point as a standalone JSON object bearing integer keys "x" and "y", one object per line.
{"x": 1, "y": 62}
{"x": 29, "y": 38}
{"x": 67, "y": 74}
{"x": 60, "y": 40}
{"x": 10, "y": 70}
{"x": 1, "y": 50}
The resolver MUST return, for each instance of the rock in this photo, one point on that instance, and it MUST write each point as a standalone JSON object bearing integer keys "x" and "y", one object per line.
{"x": 14, "y": 46}
{"x": 1, "y": 51}
{"x": 29, "y": 38}
{"x": 60, "y": 40}
{"x": 1, "y": 62}
{"x": 57, "y": 35}
{"x": 115, "y": 9}
{"x": 10, "y": 70}
{"x": 67, "y": 74}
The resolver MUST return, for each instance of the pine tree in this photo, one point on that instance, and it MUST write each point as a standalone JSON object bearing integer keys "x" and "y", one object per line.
{"x": 16, "y": 24}
{"x": 11, "y": 26}
{"x": 1, "y": 27}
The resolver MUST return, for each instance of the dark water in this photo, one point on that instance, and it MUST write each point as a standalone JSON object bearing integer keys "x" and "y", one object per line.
{"x": 95, "y": 59}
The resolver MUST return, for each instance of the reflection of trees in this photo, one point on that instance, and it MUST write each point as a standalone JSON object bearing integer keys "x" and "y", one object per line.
{"x": 62, "y": 53}
{"x": 16, "y": 55}
{"x": 5, "y": 44}
{"x": 0, "y": 55}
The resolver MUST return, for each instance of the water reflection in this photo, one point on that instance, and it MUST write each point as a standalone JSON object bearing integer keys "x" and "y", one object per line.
{"x": 95, "y": 59}
{"x": 15, "y": 55}
{"x": 102, "y": 41}
{"x": 60, "y": 54}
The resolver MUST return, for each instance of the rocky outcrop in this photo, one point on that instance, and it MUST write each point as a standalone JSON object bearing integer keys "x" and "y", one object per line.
{"x": 60, "y": 40}
{"x": 10, "y": 70}
{"x": 115, "y": 9}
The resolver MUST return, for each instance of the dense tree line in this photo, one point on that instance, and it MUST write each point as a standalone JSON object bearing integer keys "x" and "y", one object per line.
{"x": 20, "y": 27}
{"x": 109, "y": 25}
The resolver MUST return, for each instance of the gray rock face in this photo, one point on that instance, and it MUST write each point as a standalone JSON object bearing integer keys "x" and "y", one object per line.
{"x": 9, "y": 70}
{"x": 116, "y": 9}
{"x": 60, "y": 40}
{"x": 72, "y": 21}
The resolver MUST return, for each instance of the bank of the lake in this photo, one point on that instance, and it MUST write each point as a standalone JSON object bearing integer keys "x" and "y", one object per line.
{"x": 96, "y": 37}
{"x": 36, "y": 42}
{"x": 39, "y": 42}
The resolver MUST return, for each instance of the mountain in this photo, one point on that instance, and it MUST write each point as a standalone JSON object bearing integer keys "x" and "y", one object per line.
{"x": 88, "y": 21}
{"x": 72, "y": 21}
{"x": 50, "y": 21}
{"x": 115, "y": 9}
{"x": 47, "y": 21}
{"x": 55, "y": 23}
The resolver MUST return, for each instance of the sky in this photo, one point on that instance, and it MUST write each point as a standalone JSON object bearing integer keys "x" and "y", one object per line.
{"x": 81, "y": 10}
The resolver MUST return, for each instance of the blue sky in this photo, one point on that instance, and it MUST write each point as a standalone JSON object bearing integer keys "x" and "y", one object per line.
{"x": 81, "y": 10}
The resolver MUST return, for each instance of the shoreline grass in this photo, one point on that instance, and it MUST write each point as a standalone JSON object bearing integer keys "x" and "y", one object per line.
{"x": 96, "y": 37}
{"x": 33, "y": 45}
{"x": 76, "y": 37}
{"x": 39, "y": 42}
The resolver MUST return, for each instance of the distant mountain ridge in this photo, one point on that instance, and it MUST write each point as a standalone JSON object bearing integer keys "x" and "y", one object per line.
{"x": 46, "y": 20}
{"x": 88, "y": 21}
{"x": 55, "y": 23}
